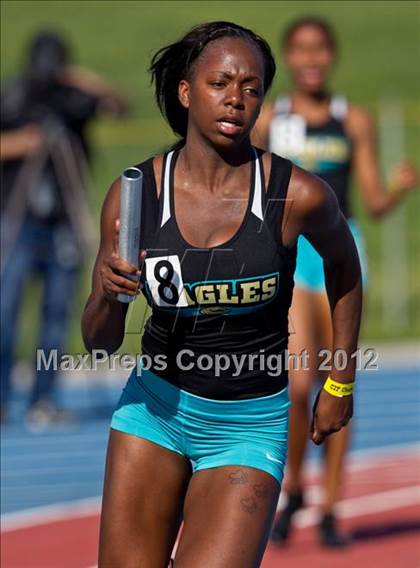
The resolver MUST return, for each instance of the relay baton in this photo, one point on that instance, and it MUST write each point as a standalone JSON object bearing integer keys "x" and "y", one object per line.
{"x": 130, "y": 215}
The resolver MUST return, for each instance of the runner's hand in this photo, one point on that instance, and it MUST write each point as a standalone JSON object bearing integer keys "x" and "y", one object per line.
{"x": 119, "y": 276}
{"x": 404, "y": 177}
{"x": 330, "y": 414}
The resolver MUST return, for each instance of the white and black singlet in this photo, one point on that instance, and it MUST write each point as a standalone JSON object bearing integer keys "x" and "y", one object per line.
{"x": 229, "y": 299}
{"x": 325, "y": 149}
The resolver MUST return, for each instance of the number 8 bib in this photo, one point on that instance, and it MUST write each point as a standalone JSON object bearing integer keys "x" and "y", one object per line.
{"x": 164, "y": 279}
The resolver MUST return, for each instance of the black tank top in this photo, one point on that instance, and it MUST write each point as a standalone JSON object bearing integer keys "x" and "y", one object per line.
{"x": 325, "y": 150}
{"x": 231, "y": 299}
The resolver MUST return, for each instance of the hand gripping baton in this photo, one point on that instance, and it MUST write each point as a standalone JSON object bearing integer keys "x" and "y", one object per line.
{"x": 130, "y": 215}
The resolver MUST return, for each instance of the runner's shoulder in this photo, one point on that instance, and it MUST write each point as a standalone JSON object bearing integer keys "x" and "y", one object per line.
{"x": 359, "y": 121}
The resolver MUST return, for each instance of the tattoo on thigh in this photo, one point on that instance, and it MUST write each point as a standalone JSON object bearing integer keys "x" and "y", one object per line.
{"x": 249, "y": 504}
{"x": 238, "y": 477}
{"x": 261, "y": 491}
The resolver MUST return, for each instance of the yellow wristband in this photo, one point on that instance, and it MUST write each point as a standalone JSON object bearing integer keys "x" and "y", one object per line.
{"x": 338, "y": 389}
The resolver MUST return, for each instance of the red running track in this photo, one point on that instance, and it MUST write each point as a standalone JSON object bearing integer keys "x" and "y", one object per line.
{"x": 380, "y": 508}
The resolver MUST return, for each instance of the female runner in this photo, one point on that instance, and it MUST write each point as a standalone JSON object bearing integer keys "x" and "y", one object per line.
{"x": 324, "y": 134}
{"x": 190, "y": 437}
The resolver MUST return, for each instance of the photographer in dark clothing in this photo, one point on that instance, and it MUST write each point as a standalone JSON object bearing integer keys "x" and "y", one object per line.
{"x": 45, "y": 219}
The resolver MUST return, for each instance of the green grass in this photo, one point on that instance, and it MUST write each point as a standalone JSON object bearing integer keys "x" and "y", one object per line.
{"x": 379, "y": 57}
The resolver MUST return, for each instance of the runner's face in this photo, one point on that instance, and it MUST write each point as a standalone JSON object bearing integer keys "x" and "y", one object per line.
{"x": 309, "y": 57}
{"x": 225, "y": 91}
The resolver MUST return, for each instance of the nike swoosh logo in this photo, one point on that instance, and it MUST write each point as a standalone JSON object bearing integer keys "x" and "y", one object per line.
{"x": 272, "y": 458}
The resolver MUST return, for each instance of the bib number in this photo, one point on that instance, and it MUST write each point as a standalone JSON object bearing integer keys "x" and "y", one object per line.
{"x": 164, "y": 278}
{"x": 287, "y": 135}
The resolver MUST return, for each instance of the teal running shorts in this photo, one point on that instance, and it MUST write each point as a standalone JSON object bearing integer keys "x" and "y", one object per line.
{"x": 210, "y": 433}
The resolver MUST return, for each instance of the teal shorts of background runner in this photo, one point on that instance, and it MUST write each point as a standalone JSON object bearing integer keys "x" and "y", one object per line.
{"x": 309, "y": 272}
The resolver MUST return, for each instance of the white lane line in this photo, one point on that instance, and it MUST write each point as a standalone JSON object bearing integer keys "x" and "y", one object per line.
{"x": 365, "y": 505}
{"x": 352, "y": 507}
{"x": 50, "y": 513}
{"x": 348, "y": 508}
{"x": 362, "y": 460}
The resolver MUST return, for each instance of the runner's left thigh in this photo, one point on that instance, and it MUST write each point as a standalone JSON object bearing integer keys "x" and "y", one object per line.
{"x": 228, "y": 514}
